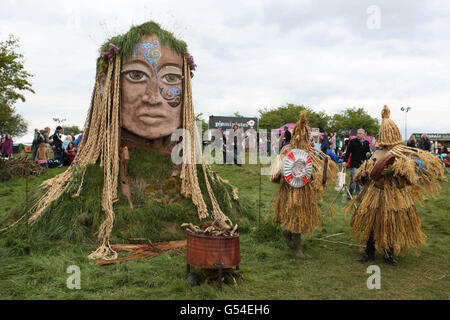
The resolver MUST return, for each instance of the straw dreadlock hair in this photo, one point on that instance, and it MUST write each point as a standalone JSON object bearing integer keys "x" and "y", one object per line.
{"x": 101, "y": 139}
{"x": 389, "y": 134}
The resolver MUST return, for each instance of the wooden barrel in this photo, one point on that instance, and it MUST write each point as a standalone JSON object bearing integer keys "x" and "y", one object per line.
{"x": 204, "y": 251}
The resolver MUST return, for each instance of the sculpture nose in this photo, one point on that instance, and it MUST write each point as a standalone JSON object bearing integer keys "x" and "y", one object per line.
{"x": 152, "y": 95}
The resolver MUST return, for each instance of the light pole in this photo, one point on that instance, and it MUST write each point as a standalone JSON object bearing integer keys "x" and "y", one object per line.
{"x": 59, "y": 121}
{"x": 406, "y": 115}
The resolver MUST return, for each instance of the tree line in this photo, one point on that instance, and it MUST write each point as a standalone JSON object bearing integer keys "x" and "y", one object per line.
{"x": 346, "y": 120}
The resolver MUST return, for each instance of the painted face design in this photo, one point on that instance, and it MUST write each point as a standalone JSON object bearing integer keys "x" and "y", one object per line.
{"x": 150, "y": 51}
{"x": 151, "y": 90}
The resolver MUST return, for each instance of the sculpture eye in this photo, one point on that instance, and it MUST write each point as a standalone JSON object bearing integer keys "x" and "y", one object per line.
{"x": 136, "y": 76}
{"x": 171, "y": 78}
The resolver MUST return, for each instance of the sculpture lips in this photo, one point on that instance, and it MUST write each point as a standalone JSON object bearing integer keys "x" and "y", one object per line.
{"x": 151, "y": 118}
{"x": 151, "y": 115}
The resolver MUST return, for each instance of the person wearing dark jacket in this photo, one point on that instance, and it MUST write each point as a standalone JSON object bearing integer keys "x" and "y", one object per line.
{"x": 58, "y": 144}
{"x": 287, "y": 137}
{"x": 38, "y": 138}
{"x": 357, "y": 150}
{"x": 325, "y": 143}
{"x": 237, "y": 140}
{"x": 425, "y": 143}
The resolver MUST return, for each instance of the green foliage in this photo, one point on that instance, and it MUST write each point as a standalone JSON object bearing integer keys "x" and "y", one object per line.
{"x": 68, "y": 129}
{"x": 290, "y": 113}
{"x": 13, "y": 81}
{"x": 355, "y": 118}
{"x": 10, "y": 122}
{"x": 5, "y": 171}
{"x": 199, "y": 117}
{"x": 126, "y": 42}
{"x": 348, "y": 119}
{"x": 267, "y": 231}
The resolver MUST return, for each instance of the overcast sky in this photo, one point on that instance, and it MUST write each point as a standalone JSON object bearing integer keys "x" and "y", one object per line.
{"x": 329, "y": 55}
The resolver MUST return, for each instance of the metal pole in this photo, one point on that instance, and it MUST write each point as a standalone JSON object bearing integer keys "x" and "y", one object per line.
{"x": 406, "y": 120}
{"x": 26, "y": 196}
{"x": 406, "y": 124}
{"x": 259, "y": 201}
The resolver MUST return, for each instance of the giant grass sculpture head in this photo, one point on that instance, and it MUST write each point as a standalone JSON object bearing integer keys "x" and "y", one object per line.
{"x": 151, "y": 79}
{"x": 142, "y": 90}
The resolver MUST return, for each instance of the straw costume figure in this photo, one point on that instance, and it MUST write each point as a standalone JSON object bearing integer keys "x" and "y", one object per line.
{"x": 394, "y": 178}
{"x": 142, "y": 94}
{"x": 296, "y": 208}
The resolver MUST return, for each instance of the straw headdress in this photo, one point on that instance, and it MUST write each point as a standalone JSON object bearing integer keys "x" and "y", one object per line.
{"x": 389, "y": 134}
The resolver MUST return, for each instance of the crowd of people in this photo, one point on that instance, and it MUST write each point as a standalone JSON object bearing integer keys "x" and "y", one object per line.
{"x": 350, "y": 152}
{"x": 64, "y": 151}
{"x": 231, "y": 148}
{"x": 44, "y": 143}
{"x": 425, "y": 144}
{"x": 340, "y": 148}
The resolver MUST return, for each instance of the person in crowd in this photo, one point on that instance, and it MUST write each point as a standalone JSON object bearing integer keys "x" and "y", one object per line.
{"x": 58, "y": 144}
{"x": 325, "y": 144}
{"x": 78, "y": 141}
{"x": 69, "y": 154}
{"x": 333, "y": 156}
{"x": 1, "y": 143}
{"x": 46, "y": 134}
{"x": 66, "y": 142}
{"x": 338, "y": 143}
{"x": 286, "y": 137}
{"x": 224, "y": 150}
{"x": 38, "y": 138}
{"x": 356, "y": 153}
{"x": 447, "y": 160}
{"x": 412, "y": 141}
{"x": 262, "y": 143}
{"x": 280, "y": 142}
{"x": 7, "y": 147}
{"x": 346, "y": 141}
{"x": 333, "y": 142}
{"x": 313, "y": 142}
{"x": 237, "y": 137}
{"x": 42, "y": 155}
{"x": 425, "y": 143}
{"x": 34, "y": 144}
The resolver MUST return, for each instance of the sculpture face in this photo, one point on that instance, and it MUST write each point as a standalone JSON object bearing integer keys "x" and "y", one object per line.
{"x": 151, "y": 84}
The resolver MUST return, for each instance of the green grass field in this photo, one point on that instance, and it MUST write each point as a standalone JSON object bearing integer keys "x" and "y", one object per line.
{"x": 270, "y": 269}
